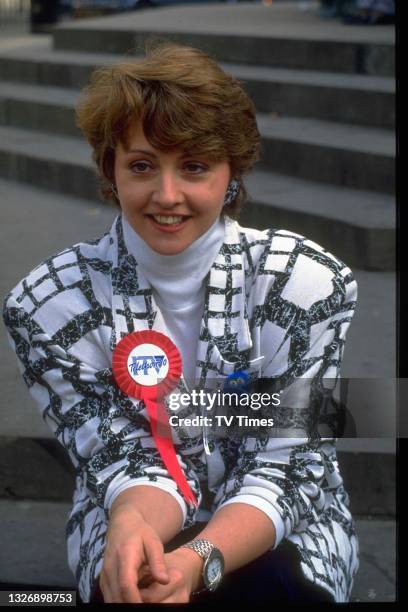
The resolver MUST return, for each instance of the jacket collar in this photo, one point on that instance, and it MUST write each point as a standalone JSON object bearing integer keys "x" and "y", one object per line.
{"x": 225, "y": 318}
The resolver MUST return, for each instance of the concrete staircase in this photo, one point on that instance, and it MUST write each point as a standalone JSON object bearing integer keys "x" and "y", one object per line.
{"x": 325, "y": 99}
{"x": 325, "y": 96}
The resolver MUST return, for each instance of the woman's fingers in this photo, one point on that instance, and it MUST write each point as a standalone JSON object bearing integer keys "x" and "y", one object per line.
{"x": 107, "y": 580}
{"x": 132, "y": 548}
{"x": 119, "y": 578}
{"x": 120, "y": 583}
{"x": 175, "y": 591}
{"x": 154, "y": 553}
{"x": 129, "y": 565}
{"x": 145, "y": 577}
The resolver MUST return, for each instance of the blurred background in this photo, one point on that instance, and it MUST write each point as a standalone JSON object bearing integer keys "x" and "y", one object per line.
{"x": 321, "y": 75}
{"x": 41, "y": 15}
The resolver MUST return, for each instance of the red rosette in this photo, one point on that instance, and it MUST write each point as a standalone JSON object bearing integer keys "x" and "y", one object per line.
{"x": 147, "y": 365}
{"x": 124, "y": 378}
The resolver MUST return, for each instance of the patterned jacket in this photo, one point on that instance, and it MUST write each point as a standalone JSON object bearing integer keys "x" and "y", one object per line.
{"x": 277, "y": 305}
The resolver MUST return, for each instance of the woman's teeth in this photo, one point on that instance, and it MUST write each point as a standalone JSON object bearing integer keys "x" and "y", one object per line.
{"x": 168, "y": 220}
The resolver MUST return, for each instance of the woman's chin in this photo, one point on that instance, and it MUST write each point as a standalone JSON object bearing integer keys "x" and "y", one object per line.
{"x": 168, "y": 247}
{"x": 165, "y": 251}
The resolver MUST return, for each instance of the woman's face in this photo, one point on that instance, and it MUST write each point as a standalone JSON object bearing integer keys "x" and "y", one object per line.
{"x": 170, "y": 199}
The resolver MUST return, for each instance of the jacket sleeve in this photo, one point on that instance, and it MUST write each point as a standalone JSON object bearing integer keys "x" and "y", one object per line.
{"x": 284, "y": 473}
{"x": 106, "y": 434}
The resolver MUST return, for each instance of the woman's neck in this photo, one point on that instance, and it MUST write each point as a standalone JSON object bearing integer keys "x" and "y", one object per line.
{"x": 177, "y": 280}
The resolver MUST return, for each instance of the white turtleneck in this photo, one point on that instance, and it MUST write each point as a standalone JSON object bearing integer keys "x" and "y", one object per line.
{"x": 177, "y": 283}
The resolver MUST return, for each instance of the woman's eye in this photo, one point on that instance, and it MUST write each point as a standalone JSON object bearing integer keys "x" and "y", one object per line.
{"x": 195, "y": 168}
{"x": 141, "y": 166}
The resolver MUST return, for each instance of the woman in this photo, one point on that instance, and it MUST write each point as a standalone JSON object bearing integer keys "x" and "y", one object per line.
{"x": 172, "y": 137}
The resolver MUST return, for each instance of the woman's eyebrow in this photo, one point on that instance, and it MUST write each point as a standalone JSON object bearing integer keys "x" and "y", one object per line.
{"x": 147, "y": 152}
{"x": 144, "y": 151}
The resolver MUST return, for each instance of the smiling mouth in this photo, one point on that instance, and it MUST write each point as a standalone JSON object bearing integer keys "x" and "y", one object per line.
{"x": 169, "y": 220}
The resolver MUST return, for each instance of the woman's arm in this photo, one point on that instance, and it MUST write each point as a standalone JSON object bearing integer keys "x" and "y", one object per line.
{"x": 157, "y": 508}
{"x": 280, "y": 485}
{"x": 105, "y": 432}
{"x": 141, "y": 519}
{"x": 292, "y": 479}
{"x": 242, "y": 532}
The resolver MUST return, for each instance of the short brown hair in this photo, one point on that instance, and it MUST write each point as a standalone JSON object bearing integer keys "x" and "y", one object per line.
{"x": 183, "y": 99}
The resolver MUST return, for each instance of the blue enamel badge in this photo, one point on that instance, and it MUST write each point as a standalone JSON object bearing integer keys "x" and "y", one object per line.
{"x": 237, "y": 382}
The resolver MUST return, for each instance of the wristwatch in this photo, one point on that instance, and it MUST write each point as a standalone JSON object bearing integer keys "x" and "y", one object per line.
{"x": 213, "y": 569}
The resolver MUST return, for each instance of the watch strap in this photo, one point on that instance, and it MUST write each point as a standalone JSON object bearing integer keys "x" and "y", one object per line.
{"x": 201, "y": 547}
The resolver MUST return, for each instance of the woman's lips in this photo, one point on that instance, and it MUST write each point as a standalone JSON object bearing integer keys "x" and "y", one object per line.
{"x": 171, "y": 228}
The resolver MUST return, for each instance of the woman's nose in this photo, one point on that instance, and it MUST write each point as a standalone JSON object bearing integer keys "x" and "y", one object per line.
{"x": 168, "y": 190}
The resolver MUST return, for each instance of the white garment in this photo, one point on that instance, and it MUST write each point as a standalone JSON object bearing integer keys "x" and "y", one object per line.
{"x": 178, "y": 285}
{"x": 277, "y": 305}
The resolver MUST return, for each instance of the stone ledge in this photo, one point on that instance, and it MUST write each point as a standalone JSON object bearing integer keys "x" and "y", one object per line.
{"x": 33, "y": 550}
{"x": 39, "y": 469}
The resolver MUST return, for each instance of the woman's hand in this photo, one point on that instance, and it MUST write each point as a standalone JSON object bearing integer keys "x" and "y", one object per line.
{"x": 184, "y": 568}
{"x": 132, "y": 546}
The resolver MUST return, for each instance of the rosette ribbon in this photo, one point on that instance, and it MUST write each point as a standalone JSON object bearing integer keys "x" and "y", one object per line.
{"x": 147, "y": 366}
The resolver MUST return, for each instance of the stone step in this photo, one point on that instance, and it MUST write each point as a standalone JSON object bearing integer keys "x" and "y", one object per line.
{"x": 56, "y": 163}
{"x": 327, "y": 152}
{"x": 358, "y": 226}
{"x": 33, "y": 550}
{"x": 340, "y": 154}
{"x": 276, "y": 35}
{"x": 347, "y": 98}
{"x": 40, "y": 469}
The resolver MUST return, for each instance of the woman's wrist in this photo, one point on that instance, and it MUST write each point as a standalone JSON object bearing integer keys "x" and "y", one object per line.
{"x": 190, "y": 559}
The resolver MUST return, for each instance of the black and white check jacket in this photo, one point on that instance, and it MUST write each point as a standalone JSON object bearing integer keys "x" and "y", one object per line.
{"x": 276, "y": 305}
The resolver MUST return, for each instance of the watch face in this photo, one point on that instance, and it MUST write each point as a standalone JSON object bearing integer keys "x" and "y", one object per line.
{"x": 214, "y": 569}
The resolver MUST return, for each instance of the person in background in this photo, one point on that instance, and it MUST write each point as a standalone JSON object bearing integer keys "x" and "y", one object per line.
{"x": 371, "y": 12}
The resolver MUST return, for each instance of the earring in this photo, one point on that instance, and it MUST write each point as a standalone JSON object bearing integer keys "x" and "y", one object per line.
{"x": 232, "y": 192}
{"x": 113, "y": 190}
